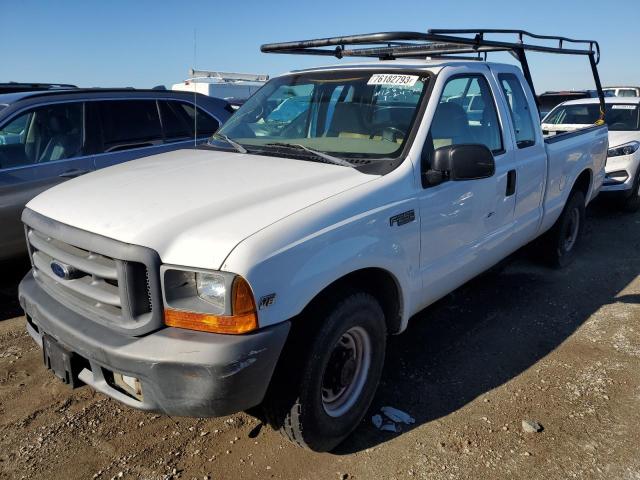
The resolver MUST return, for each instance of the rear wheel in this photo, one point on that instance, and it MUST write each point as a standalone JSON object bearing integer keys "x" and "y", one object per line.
{"x": 559, "y": 244}
{"x": 320, "y": 404}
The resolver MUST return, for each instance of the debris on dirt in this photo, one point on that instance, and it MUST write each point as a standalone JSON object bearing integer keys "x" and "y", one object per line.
{"x": 398, "y": 416}
{"x": 255, "y": 431}
{"x": 530, "y": 426}
{"x": 390, "y": 427}
{"x": 384, "y": 425}
{"x": 377, "y": 420}
{"x": 393, "y": 422}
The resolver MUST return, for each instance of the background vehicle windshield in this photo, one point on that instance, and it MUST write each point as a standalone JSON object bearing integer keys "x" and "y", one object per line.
{"x": 350, "y": 114}
{"x": 626, "y": 92}
{"x": 620, "y": 117}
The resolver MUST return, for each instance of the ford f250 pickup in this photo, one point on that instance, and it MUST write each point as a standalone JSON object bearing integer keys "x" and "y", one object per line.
{"x": 267, "y": 268}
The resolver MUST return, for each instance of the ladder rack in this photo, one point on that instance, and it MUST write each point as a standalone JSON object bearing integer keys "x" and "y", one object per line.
{"x": 447, "y": 43}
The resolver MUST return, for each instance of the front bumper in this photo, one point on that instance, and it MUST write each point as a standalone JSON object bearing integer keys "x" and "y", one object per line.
{"x": 627, "y": 164}
{"x": 182, "y": 372}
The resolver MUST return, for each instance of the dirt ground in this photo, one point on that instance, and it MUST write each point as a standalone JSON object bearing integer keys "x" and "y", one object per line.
{"x": 527, "y": 343}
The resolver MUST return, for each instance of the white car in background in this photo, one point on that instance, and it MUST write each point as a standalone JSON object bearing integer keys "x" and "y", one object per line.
{"x": 622, "y": 91}
{"x": 623, "y": 158}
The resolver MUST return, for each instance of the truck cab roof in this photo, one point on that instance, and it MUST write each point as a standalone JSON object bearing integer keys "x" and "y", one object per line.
{"x": 432, "y": 65}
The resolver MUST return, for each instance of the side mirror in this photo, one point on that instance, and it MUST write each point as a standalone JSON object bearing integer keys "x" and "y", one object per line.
{"x": 461, "y": 162}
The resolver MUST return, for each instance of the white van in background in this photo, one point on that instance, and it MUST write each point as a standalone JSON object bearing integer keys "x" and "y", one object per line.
{"x": 233, "y": 87}
{"x": 622, "y": 91}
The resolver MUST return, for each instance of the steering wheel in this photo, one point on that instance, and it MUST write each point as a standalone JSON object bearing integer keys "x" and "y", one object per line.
{"x": 396, "y": 132}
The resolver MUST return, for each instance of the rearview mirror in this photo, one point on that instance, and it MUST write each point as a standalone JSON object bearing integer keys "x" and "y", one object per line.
{"x": 461, "y": 162}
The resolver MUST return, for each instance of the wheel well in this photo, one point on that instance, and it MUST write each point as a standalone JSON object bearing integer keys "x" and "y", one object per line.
{"x": 583, "y": 183}
{"x": 375, "y": 281}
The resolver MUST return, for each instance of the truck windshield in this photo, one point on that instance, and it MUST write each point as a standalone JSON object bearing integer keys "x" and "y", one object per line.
{"x": 619, "y": 117}
{"x": 354, "y": 114}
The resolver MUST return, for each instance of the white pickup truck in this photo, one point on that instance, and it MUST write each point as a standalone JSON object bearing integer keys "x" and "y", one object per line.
{"x": 268, "y": 267}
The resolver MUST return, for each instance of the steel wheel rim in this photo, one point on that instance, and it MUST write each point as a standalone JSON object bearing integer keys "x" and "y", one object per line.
{"x": 572, "y": 230}
{"x": 346, "y": 372}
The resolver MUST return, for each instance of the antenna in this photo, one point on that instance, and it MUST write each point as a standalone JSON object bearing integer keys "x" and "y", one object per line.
{"x": 195, "y": 95}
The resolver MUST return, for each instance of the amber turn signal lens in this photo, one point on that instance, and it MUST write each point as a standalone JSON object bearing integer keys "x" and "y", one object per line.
{"x": 243, "y": 319}
{"x": 233, "y": 324}
{"x": 243, "y": 302}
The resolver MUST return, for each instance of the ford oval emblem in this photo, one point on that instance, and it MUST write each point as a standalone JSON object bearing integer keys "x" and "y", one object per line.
{"x": 62, "y": 270}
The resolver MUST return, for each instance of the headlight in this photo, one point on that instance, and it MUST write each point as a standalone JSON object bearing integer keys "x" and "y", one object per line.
{"x": 212, "y": 288}
{"x": 211, "y": 301}
{"x": 626, "y": 149}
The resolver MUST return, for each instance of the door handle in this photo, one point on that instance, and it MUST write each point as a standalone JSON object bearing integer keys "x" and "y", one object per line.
{"x": 73, "y": 173}
{"x": 511, "y": 182}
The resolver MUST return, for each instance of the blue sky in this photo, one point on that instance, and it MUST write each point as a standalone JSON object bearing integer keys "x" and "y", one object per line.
{"x": 145, "y": 43}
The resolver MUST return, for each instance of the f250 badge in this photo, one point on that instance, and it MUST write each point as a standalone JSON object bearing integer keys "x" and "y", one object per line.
{"x": 266, "y": 301}
{"x": 402, "y": 218}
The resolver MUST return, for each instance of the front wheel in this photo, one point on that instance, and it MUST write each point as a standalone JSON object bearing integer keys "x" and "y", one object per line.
{"x": 339, "y": 376}
{"x": 559, "y": 244}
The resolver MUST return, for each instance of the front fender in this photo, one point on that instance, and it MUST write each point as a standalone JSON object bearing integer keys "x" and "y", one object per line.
{"x": 296, "y": 270}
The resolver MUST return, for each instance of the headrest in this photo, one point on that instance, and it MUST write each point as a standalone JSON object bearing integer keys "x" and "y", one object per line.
{"x": 59, "y": 124}
{"x": 350, "y": 117}
{"x": 450, "y": 120}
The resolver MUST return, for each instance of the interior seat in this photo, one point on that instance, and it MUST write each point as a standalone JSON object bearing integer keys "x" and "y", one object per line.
{"x": 350, "y": 120}
{"x": 64, "y": 141}
{"x": 450, "y": 126}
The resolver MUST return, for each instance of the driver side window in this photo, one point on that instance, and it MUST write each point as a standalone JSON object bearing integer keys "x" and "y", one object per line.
{"x": 45, "y": 134}
{"x": 466, "y": 114}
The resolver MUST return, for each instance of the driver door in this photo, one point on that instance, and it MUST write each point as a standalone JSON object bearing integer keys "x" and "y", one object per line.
{"x": 464, "y": 224}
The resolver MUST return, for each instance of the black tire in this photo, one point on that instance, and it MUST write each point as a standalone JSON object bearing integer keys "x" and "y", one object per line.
{"x": 631, "y": 204}
{"x": 560, "y": 243}
{"x": 296, "y": 404}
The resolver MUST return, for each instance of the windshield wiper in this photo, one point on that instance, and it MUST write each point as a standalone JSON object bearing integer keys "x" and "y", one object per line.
{"x": 239, "y": 148}
{"x": 324, "y": 156}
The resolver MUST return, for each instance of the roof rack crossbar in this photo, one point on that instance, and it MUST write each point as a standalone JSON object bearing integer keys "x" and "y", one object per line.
{"x": 520, "y": 33}
{"x": 390, "y": 43}
{"x": 442, "y": 42}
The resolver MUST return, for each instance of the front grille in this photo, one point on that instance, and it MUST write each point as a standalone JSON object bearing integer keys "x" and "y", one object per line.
{"x": 95, "y": 283}
{"x": 107, "y": 281}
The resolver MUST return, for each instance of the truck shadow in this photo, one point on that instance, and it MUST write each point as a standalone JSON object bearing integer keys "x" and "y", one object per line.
{"x": 500, "y": 324}
{"x": 11, "y": 272}
{"x": 485, "y": 333}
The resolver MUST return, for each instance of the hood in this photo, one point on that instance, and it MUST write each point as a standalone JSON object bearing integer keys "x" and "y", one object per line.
{"x": 193, "y": 206}
{"x": 620, "y": 138}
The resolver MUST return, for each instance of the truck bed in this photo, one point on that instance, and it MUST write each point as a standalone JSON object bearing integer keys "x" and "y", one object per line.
{"x": 568, "y": 155}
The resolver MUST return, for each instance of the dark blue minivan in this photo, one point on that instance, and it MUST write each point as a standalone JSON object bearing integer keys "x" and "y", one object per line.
{"x": 49, "y": 136}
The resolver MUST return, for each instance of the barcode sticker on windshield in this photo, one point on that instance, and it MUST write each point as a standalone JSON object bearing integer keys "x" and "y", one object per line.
{"x": 623, "y": 107}
{"x": 393, "y": 79}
